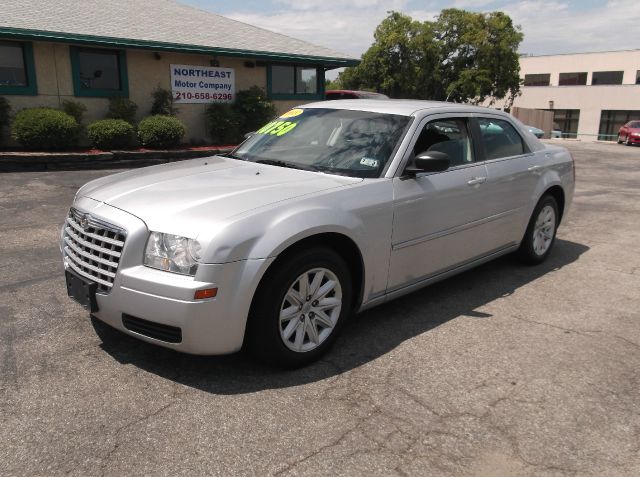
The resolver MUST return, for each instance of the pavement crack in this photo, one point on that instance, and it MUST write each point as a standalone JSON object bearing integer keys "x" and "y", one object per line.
{"x": 580, "y": 332}
{"x": 318, "y": 451}
{"x": 632, "y": 343}
{"x": 571, "y": 330}
{"x": 118, "y": 431}
{"x": 10, "y": 287}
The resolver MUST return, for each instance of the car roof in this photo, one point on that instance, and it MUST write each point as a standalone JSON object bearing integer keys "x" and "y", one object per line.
{"x": 354, "y": 91}
{"x": 402, "y": 107}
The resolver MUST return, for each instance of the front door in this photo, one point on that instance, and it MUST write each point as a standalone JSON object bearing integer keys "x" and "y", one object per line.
{"x": 439, "y": 218}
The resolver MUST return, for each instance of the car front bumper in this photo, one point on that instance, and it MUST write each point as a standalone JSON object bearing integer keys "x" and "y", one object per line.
{"x": 152, "y": 305}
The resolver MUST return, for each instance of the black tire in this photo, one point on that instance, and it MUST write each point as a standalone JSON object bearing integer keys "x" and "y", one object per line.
{"x": 263, "y": 337}
{"x": 527, "y": 252}
{"x": 619, "y": 139}
{"x": 628, "y": 141}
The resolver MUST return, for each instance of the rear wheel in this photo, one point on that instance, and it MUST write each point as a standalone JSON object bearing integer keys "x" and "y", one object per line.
{"x": 300, "y": 308}
{"x": 541, "y": 231}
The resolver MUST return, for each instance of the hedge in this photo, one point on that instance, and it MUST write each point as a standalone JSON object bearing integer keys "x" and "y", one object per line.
{"x": 161, "y": 131}
{"x": 228, "y": 123}
{"x": 45, "y": 128}
{"x": 109, "y": 134}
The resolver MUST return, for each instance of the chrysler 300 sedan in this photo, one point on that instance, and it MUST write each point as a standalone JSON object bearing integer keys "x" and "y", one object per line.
{"x": 330, "y": 209}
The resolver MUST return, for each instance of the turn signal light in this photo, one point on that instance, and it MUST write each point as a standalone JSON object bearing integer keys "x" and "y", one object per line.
{"x": 206, "y": 293}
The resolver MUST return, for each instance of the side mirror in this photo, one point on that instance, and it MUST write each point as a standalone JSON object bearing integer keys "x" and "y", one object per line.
{"x": 429, "y": 161}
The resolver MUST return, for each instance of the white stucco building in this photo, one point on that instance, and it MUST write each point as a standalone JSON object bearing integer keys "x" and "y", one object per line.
{"x": 591, "y": 94}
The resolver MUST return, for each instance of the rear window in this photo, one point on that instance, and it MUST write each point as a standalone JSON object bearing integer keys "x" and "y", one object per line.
{"x": 500, "y": 138}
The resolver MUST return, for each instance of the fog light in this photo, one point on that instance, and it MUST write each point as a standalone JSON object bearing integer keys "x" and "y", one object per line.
{"x": 206, "y": 293}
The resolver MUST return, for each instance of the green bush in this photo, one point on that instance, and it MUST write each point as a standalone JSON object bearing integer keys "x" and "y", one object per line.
{"x": 160, "y": 131}
{"x": 224, "y": 124}
{"x": 122, "y": 108}
{"x": 228, "y": 123}
{"x": 162, "y": 102}
{"x": 74, "y": 109}
{"x": 5, "y": 116}
{"x": 45, "y": 128}
{"x": 110, "y": 134}
{"x": 254, "y": 109}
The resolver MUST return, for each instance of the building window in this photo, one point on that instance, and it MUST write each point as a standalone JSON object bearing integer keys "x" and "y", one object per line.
{"x": 537, "y": 79}
{"x": 607, "y": 77}
{"x": 306, "y": 81}
{"x": 572, "y": 79}
{"x": 566, "y": 120}
{"x": 293, "y": 82}
{"x": 98, "y": 72}
{"x": 17, "y": 70}
{"x": 612, "y": 120}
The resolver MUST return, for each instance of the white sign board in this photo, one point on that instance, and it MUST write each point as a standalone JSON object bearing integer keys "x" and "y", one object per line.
{"x": 202, "y": 84}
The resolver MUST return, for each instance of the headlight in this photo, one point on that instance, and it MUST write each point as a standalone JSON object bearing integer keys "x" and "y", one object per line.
{"x": 172, "y": 253}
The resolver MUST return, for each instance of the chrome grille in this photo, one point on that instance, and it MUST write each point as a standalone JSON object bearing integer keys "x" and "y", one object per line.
{"x": 92, "y": 248}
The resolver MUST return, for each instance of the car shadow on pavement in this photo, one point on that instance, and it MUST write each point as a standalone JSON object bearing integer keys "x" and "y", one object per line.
{"x": 365, "y": 338}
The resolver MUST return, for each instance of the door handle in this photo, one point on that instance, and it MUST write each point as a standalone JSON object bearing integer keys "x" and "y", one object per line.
{"x": 476, "y": 180}
{"x": 534, "y": 168}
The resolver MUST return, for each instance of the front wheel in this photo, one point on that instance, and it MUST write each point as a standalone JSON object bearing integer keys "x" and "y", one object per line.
{"x": 300, "y": 308}
{"x": 541, "y": 231}
{"x": 619, "y": 139}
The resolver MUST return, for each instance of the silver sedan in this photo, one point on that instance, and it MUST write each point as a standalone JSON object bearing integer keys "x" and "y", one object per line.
{"x": 330, "y": 209}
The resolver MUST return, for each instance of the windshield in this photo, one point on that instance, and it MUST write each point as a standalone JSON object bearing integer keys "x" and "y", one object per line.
{"x": 634, "y": 124}
{"x": 337, "y": 141}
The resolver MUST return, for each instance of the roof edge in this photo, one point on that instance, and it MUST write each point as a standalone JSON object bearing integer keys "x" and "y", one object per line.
{"x": 532, "y": 55}
{"x": 42, "y": 35}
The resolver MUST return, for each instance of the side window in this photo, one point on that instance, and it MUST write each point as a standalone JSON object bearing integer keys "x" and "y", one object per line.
{"x": 500, "y": 138}
{"x": 450, "y": 136}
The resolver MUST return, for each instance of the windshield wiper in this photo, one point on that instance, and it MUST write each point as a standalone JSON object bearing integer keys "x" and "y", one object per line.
{"x": 232, "y": 156}
{"x": 291, "y": 165}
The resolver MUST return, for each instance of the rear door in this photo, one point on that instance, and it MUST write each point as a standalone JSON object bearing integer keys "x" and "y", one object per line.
{"x": 512, "y": 174}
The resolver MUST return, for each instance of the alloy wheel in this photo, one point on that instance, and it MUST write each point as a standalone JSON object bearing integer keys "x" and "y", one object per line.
{"x": 543, "y": 230}
{"x": 310, "y": 310}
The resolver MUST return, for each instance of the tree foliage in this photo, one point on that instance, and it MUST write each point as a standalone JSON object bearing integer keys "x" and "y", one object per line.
{"x": 163, "y": 102}
{"x": 460, "y": 56}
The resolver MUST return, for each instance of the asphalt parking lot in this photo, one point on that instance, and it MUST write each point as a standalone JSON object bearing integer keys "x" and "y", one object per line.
{"x": 503, "y": 370}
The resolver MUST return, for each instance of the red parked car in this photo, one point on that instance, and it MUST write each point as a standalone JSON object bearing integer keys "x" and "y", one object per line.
{"x": 629, "y": 133}
{"x": 349, "y": 94}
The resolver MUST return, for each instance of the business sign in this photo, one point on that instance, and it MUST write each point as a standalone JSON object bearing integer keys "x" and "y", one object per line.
{"x": 202, "y": 84}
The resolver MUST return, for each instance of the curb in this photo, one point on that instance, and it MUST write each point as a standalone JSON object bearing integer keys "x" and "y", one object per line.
{"x": 47, "y": 161}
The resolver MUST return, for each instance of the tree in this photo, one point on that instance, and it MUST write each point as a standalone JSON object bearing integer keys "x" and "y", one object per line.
{"x": 461, "y": 56}
{"x": 332, "y": 84}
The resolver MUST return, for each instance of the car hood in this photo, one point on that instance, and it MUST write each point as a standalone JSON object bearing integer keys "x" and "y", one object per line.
{"x": 183, "y": 197}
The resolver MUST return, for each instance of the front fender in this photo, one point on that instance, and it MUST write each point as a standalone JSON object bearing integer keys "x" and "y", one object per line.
{"x": 267, "y": 235}
{"x": 364, "y": 214}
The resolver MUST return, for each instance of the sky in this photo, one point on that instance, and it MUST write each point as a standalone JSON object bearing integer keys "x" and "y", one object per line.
{"x": 549, "y": 26}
